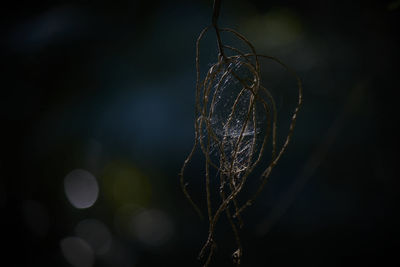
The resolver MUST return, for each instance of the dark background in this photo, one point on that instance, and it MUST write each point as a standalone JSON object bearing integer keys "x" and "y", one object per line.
{"x": 108, "y": 87}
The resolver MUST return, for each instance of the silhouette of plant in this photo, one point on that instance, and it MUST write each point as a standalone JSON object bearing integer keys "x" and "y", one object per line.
{"x": 235, "y": 119}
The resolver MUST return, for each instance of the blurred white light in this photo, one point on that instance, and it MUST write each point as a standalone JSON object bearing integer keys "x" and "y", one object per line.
{"x": 77, "y": 252}
{"x": 153, "y": 227}
{"x": 81, "y": 188}
{"x": 96, "y": 234}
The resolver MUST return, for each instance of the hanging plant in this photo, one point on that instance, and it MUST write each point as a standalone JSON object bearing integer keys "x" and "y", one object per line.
{"x": 236, "y": 120}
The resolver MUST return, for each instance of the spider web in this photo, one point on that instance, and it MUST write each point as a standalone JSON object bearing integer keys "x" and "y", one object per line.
{"x": 236, "y": 123}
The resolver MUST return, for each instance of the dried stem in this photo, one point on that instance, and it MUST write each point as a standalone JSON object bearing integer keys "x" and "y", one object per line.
{"x": 237, "y": 155}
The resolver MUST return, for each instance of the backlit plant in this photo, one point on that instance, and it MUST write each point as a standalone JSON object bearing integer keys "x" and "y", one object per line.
{"x": 235, "y": 125}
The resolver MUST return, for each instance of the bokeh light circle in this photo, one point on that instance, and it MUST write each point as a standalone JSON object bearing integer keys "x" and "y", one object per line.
{"x": 81, "y": 188}
{"x": 77, "y": 252}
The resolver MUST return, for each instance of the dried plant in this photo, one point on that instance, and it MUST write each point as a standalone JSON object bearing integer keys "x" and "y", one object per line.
{"x": 236, "y": 118}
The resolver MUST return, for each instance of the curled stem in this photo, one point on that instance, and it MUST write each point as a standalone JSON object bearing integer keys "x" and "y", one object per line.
{"x": 237, "y": 147}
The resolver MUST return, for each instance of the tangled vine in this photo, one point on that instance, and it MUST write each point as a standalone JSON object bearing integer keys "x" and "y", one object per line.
{"x": 236, "y": 118}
